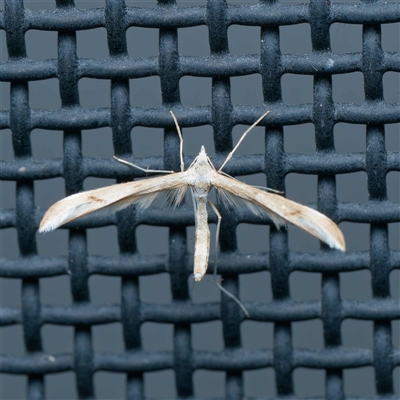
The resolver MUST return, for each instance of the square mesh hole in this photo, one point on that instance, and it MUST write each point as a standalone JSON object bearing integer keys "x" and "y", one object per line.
{"x": 257, "y": 335}
{"x": 85, "y": 47}
{"x": 195, "y": 91}
{"x": 105, "y": 290}
{"x": 85, "y": 4}
{"x": 352, "y": 188}
{"x": 15, "y": 384}
{"x": 357, "y": 235}
{"x": 152, "y": 240}
{"x": 97, "y": 143}
{"x": 46, "y": 144}
{"x": 308, "y": 334}
{"x": 244, "y": 39}
{"x": 305, "y": 286}
{"x": 40, "y": 5}
{"x": 297, "y": 89}
{"x": 394, "y": 236}
{"x": 160, "y": 385}
{"x": 6, "y": 149}
{"x": 350, "y": 138}
{"x": 390, "y": 37}
{"x": 56, "y": 291}
{"x": 393, "y": 186}
{"x": 110, "y": 385}
{"x": 359, "y": 382}
{"x": 391, "y": 84}
{"x": 392, "y": 138}
{"x": 53, "y": 244}
{"x": 5, "y": 88}
{"x": 256, "y": 287}
{"x": 10, "y": 291}
{"x": 395, "y": 290}
{"x": 94, "y": 93}
{"x": 8, "y": 196}
{"x": 209, "y": 384}
{"x": 252, "y": 238}
{"x": 247, "y": 90}
{"x": 193, "y": 41}
{"x": 3, "y": 45}
{"x": 157, "y": 337}
{"x": 13, "y": 336}
{"x": 142, "y": 42}
{"x": 348, "y": 88}
{"x": 145, "y": 92}
{"x": 356, "y": 333}
{"x": 103, "y": 241}
{"x": 345, "y": 38}
{"x": 299, "y": 139}
{"x": 57, "y": 339}
{"x": 9, "y": 242}
{"x": 155, "y": 289}
{"x": 356, "y": 285}
{"x": 60, "y": 386}
{"x": 41, "y": 45}
{"x": 147, "y": 142}
{"x": 260, "y": 383}
{"x": 207, "y": 336}
{"x": 44, "y": 95}
{"x": 309, "y": 382}
{"x": 295, "y": 39}
{"x": 107, "y": 338}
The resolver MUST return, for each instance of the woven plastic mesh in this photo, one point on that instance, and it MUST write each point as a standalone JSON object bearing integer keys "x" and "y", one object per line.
{"x": 374, "y": 113}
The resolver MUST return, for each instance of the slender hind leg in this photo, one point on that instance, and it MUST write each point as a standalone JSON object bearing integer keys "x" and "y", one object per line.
{"x": 235, "y": 299}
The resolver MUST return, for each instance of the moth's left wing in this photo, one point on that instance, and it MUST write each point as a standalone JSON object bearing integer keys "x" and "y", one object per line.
{"x": 278, "y": 208}
{"x": 115, "y": 198}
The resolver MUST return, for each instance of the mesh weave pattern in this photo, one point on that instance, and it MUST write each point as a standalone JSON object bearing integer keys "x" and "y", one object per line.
{"x": 170, "y": 66}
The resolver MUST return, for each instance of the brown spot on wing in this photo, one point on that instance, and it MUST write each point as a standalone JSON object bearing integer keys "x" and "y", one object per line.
{"x": 96, "y": 199}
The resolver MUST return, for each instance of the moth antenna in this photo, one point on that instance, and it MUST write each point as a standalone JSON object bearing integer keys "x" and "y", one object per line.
{"x": 234, "y": 298}
{"x": 241, "y": 139}
{"x": 157, "y": 171}
{"x": 181, "y": 141}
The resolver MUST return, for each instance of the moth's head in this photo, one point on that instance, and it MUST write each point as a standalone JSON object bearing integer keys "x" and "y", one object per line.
{"x": 203, "y": 151}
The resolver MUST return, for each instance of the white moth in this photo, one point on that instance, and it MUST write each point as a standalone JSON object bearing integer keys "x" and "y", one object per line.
{"x": 200, "y": 178}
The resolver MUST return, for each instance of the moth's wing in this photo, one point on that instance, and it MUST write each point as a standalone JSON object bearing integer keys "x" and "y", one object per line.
{"x": 238, "y": 204}
{"x": 115, "y": 197}
{"x": 279, "y": 208}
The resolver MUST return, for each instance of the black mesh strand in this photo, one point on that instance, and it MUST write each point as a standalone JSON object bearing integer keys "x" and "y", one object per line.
{"x": 170, "y": 66}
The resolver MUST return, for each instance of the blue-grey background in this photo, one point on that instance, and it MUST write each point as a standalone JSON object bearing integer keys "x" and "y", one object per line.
{"x": 296, "y": 89}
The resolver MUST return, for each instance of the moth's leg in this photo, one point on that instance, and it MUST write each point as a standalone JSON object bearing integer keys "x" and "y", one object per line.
{"x": 181, "y": 141}
{"x": 241, "y": 139}
{"x": 258, "y": 187}
{"x": 193, "y": 162}
{"x": 216, "y": 237}
{"x": 157, "y": 171}
{"x": 236, "y": 300}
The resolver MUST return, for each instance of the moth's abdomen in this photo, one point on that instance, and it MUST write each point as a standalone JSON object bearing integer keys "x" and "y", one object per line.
{"x": 202, "y": 242}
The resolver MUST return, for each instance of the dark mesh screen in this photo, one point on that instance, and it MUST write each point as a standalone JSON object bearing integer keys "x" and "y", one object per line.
{"x": 335, "y": 340}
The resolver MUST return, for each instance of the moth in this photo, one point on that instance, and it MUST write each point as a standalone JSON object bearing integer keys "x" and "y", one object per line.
{"x": 199, "y": 178}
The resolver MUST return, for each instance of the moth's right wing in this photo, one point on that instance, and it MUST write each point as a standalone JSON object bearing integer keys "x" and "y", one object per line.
{"x": 115, "y": 198}
{"x": 282, "y": 210}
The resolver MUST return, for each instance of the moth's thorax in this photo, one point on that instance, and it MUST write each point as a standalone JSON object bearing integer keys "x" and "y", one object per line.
{"x": 199, "y": 174}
